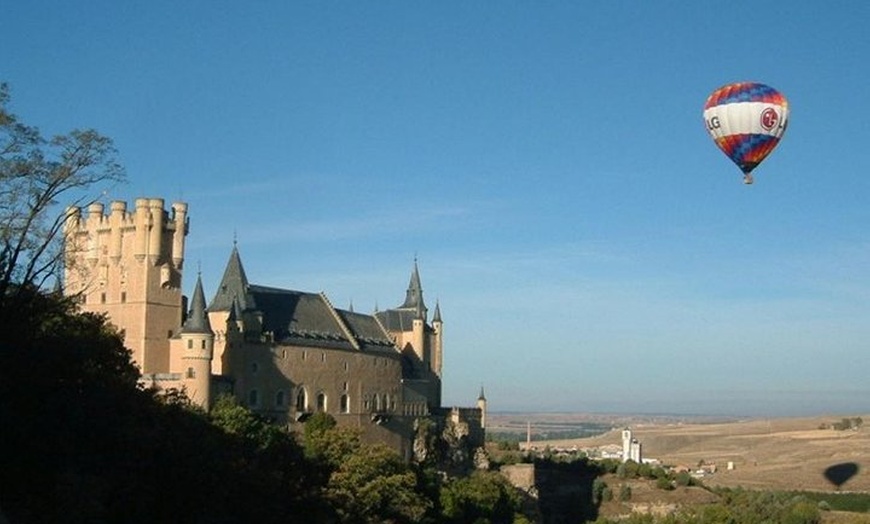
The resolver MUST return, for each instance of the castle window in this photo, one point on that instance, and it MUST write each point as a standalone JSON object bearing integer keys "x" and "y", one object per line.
{"x": 203, "y": 344}
{"x": 304, "y": 354}
{"x": 301, "y": 401}
{"x": 123, "y": 297}
{"x": 345, "y": 404}
{"x": 191, "y": 373}
{"x": 345, "y": 386}
{"x": 190, "y": 344}
{"x": 279, "y": 398}
{"x": 323, "y": 357}
{"x": 255, "y": 367}
{"x": 321, "y": 401}
{"x": 253, "y": 398}
{"x": 377, "y": 402}
{"x": 345, "y": 365}
{"x": 102, "y": 298}
{"x": 366, "y": 403}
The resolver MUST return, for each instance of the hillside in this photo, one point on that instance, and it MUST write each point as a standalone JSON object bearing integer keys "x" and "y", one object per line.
{"x": 786, "y": 453}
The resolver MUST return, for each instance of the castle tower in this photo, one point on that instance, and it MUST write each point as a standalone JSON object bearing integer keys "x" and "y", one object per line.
{"x": 414, "y": 300}
{"x": 231, "y": 311}
{"x": 481, "y": 405}
{"x": 197, "y": 340}
{"x": 438, "y": 341}
{"x": 418, "y": 335}
{"x": 129, "y": 266}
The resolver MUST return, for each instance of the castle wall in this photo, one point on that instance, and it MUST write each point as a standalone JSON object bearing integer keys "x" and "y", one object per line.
{"x": 270, "y": 378}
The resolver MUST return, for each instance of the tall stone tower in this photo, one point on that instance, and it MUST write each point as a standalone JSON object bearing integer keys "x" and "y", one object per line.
{"x": 129, "y": 265}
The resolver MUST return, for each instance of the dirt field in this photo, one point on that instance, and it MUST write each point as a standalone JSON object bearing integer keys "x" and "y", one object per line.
{"x": 787, "y": 454}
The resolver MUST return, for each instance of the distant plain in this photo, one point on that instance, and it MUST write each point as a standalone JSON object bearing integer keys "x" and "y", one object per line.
{"x": 776, "y": 453}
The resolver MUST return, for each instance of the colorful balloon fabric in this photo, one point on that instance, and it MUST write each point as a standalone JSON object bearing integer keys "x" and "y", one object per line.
{"x": 746, "y": 120}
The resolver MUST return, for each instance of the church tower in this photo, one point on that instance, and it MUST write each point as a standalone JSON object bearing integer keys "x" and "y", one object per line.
{"x": 197, "y": 342}
{"x": 129, "y": 266}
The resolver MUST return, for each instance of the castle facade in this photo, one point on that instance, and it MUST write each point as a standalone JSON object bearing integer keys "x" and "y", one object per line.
{"x": 285, "y": 354}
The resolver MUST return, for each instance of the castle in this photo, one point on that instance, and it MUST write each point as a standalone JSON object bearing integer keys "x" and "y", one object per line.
{"x": 285, "y": 354}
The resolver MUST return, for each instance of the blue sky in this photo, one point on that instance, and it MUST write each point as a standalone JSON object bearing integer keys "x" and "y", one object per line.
{"x": 546, "y": 162}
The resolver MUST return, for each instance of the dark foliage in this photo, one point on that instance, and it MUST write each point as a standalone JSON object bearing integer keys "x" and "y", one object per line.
{"x": 82, "y": 443}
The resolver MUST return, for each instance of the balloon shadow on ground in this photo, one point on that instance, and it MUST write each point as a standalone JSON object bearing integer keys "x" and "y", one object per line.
{"x": 838, "y": 474}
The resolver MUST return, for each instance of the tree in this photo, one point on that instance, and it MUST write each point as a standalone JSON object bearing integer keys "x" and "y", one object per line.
{"x": 373, "y": 485}
{"x": 35, "y": 174}
{"x": 484, "y": 497}
{"x": 624, "y": 493}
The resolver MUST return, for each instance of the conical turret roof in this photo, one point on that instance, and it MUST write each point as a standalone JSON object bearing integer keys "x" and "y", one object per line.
{"x": 197, "y": 320}
{"x": 234, "y": 286}
{"x": 414, "y": 295}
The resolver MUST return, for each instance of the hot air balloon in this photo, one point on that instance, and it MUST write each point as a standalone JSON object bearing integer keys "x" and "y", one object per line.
{"x": 746, "y": 120}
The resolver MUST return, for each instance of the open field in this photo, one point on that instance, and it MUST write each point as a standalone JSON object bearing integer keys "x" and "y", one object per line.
{"x": 780, "y": 453}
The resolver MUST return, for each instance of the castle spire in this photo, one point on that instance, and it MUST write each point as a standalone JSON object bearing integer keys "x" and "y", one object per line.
{"x": 234, "y": 285}
{"x": 197, "y": 320}
{"x": 414, "y": 295}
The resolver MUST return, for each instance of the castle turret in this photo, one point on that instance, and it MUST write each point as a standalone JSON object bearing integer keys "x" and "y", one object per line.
{"x": 438, "y": 341}
{"x": 197, "y": 350}
{"x": 179, "y": 210}
{"x": 155, "y": 238}
{"x": 414, "y": 301}
{"x": 481, "y": 405}
{"x": 116, "y": 237}
{"x": 232, "y": 298}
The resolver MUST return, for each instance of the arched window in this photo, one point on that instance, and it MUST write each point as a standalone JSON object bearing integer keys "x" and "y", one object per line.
{"x": 321, "y": 401}
{"x": 377, "y": 402}
{"x": 345, "y": 404}
{"x": 279, "y": 398}
{"x": 301, "y": 400}
{"x": 253, "y": 398}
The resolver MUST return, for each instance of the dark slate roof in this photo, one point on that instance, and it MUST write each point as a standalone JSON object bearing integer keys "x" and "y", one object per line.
{"x": 233, "y": 286}
{"x": 367, "y": 331}
{"x": 298, "y": 317}
{"x": 309, "y": 319}
{"x": 402, "y": 318}
{"x": 397, "y": 319}
{"x": 414, "y": 295}
{"x": 197, "y": 320}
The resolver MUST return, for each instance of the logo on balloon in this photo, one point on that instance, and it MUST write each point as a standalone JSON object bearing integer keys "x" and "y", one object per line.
{"x": 769, "y": 118}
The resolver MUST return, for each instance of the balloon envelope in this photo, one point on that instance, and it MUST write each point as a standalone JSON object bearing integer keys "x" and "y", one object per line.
{"x": 746, "y": 120}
